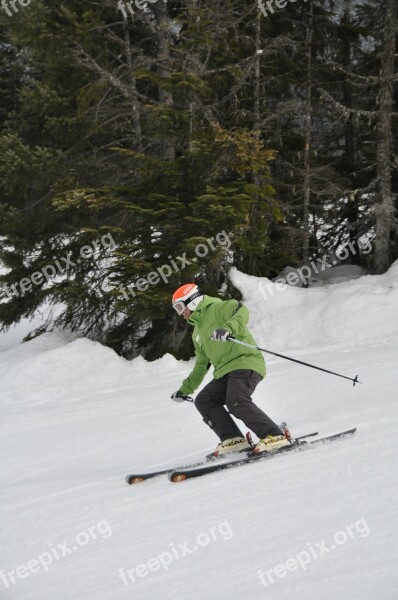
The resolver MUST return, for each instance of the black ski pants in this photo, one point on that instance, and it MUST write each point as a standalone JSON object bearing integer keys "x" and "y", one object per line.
{"x": 234, "y": 391}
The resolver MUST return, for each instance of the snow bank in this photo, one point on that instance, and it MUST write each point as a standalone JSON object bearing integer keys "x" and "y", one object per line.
{"x": 55, "y": 364}
{"x": 364, "y": 310}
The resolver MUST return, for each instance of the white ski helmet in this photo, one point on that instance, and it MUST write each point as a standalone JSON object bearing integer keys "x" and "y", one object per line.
{"x": 187, "y": 296}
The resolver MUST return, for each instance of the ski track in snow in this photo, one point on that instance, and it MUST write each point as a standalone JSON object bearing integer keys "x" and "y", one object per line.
{"x": 76, "y": 418}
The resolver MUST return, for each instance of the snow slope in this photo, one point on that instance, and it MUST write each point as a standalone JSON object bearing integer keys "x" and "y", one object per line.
{"x": 75, "y": 418}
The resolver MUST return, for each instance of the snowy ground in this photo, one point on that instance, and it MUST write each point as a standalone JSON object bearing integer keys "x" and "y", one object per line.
{"x": 75, "y": 418}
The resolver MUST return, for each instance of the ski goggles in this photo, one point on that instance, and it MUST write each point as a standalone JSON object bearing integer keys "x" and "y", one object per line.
{"x": 179, "y": 306}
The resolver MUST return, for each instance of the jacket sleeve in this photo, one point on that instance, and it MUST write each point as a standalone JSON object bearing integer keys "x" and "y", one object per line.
{"x": 195, "y": 378}
{"x": 237, "y": 316}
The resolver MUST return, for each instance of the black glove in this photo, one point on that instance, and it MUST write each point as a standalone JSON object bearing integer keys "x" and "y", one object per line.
{"x": 180, "y": 397}
{"x": 220, "y": 334}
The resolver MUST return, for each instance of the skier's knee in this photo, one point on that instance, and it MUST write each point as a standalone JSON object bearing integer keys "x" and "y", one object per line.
{"x": 234, "y": 407}
{"x": 200, "y": 401}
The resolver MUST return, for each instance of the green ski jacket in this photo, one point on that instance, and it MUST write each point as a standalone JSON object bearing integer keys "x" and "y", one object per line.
{"x": 213, "y": 313}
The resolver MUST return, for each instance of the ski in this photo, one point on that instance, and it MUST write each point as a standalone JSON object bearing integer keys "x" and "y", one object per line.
{"x": 297, "y": 445}
{"x": 140, "y": 477}
{"x": 134, "y": 478}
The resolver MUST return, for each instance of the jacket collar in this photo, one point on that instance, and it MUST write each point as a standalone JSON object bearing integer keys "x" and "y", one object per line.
{"x": 198, "y": 314}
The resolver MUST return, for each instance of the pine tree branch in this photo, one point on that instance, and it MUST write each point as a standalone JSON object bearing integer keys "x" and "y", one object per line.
{"x": 347, "y": 112}
{"x": 367, "y": 79}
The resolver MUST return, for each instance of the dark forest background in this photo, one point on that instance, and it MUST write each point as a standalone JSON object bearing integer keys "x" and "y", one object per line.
{"x": 167, "y": 126}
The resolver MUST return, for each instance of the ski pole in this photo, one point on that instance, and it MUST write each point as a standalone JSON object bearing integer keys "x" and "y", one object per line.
{"x": 300, "y": 362}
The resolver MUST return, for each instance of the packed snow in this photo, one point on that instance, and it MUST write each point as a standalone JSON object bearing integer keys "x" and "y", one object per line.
{"x": 76, "y": 418}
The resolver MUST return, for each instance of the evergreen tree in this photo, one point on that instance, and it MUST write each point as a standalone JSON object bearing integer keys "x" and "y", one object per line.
{"x": 142, "y": 135}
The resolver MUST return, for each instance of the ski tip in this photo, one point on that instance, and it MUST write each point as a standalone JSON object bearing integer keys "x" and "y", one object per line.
{"x": 349, "y": 431}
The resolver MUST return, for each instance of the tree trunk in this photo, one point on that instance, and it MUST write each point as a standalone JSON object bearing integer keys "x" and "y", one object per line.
{"x": 352, "y": 212}
{"x": 135, "y": 105}
{"x": 385, "y": 207}
{"x": 163, "y": 59}
{"x": 257, "y": 73}
{"x": 253, "y": 267}
{"x": 307, "y": 139}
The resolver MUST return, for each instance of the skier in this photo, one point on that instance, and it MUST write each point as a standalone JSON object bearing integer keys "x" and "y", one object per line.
{"x": 237, "y": 371}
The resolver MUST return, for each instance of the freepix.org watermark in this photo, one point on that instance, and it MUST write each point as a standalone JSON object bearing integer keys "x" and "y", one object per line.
{"x": 56, "y": 552}
{"x": 273, "y": 3}
{"x": 5, "y": 5}
{"x": 176, "y": 265}
{"x": 140, "y": 4}
{"x": 303, "y": 274}
{"x": 176, "y": 552}
{"x": 50, "y": 271}
{"x": 313, "y": 552}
